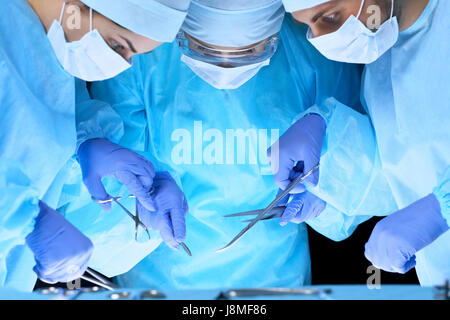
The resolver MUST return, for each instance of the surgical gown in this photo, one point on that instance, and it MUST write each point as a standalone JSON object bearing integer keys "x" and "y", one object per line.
{"x": 214, "y": 143}
{"x": 402, "y": 152}
{"x": 38, "y": 136}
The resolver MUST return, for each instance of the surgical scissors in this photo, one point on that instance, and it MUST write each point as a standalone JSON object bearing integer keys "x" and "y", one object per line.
{"x": 262, "y": 214}
{"x": 274, "y": 213}
{"x": 137, "y": 220}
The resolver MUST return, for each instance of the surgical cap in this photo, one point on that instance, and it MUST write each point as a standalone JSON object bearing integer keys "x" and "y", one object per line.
{"x": 158, "y": 20}
{"x": 233, "y": 23}
{"x": 297, "y": 5}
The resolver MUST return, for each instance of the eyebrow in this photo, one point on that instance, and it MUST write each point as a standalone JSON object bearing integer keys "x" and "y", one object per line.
{"x": 331, "y": 5}
{"x": 130, "y": 45}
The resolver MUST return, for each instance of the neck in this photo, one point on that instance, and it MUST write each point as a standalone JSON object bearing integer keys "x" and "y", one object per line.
{"x": 47, "y": 10}
{"x": 409, "y": 11}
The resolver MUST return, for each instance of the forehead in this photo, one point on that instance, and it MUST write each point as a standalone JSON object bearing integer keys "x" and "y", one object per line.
{"x": 345, "y": 7}
{"x": 234, "y": 5}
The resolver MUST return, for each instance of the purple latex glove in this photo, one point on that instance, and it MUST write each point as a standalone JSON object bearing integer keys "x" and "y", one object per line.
{"x": 302, "y": 207}
{"x": 169, "y": 218}
{"x": 61, "y": 251}
{"x": 396, "y": 239}
{"x": 100, "y": 158}
{"x": 302, "y": 142}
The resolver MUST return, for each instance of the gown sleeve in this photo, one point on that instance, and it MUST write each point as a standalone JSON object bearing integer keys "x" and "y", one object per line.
{"x": 351, "y": 176}
{"x": 95, "y": 118}
{"x": 442, "y": 193}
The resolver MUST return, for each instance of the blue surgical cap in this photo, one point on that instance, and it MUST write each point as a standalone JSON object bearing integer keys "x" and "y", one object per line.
{"x": 297, "y": 5}
{"x": 233, "y": 23}
{"x": 159, "y": 20}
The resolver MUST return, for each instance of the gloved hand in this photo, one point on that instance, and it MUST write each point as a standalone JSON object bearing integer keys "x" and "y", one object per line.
{"x": 302, "y": 142}
{"x": 61, "y": 251}
{"x": 100, "y": 158}
{"x": 302, "y": 207}
{"x": 396, "y": 239}
{"x": 169, "y": 218}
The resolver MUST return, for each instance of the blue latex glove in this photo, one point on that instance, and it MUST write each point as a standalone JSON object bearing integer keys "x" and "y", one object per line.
{"x": 61, "y": 251}
{"x": 396, "y": 239}
{"x": 302, "y": 142}
{"x": 169, "y": 218}
{"x": 100, "y": 158}
{"x": 302, "y": 207}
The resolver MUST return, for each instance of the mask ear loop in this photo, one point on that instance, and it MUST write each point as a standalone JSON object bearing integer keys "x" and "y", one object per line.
{"x": 392, "y": 9}
{"x": 61, "y": 15}
{"x": 360, "y": 9}
{"x": 90, "y": 19}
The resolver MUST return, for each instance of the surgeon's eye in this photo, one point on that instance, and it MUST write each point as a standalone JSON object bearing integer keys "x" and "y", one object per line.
{"x": 117, "y": 47}
{"x": 330, "y": 22}
{"x": 331, "y": 19}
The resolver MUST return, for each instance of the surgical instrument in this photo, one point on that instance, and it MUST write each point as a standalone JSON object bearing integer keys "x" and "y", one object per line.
{"x": 67, "y": 294}
{"x": 99, "y": 280}
{"x": 272, "y": 205}
{"x": 443, "y": 292}
{"x": 186, "y": 249}
{"x": 133, "y": 295}
{"x": 274, "y": 213}
{"x": 137, "y": 220}
{"x": 245, "y": 293}
{"x": 137, "y": 223}
{"x": 151, "y": 294}
{"x": 101, "y": 277}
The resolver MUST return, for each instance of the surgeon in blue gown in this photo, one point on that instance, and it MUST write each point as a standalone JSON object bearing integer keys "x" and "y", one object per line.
{"x": 213, "y": 143}
{"x": 46, "y": 113}
{"x": 396, "y": 160}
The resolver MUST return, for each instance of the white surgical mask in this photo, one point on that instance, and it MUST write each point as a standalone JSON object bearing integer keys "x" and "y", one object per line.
{"x": 89, "y": 59}
{"x": 223, "y": 78}
{"x": 355, "y": 43}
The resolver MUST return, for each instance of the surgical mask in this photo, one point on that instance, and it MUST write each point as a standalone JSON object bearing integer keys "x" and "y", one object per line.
{"x": 355, "y": 43}
{"x": 223, "y": 78}
{"x": 89, "y": 59}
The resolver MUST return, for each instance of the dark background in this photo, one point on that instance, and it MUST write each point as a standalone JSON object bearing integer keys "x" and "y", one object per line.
{"x": 344, "y": 262}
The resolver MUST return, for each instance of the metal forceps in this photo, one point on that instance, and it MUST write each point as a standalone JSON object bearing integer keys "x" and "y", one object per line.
{"x": 99, "y": 280}
{"x": 276, "y": 212}
{"x": 268, "y": 210}
{"x": 135, "y": 218}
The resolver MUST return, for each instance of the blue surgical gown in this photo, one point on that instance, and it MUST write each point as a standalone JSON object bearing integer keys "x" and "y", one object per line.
{"x": 402, "y": 152}
{"x": 214, "y": 143}
{"x": 39, "y": 133}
